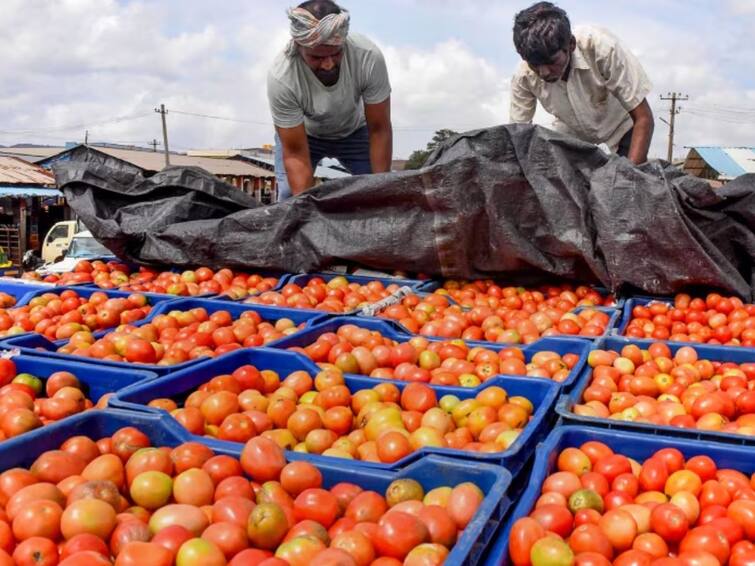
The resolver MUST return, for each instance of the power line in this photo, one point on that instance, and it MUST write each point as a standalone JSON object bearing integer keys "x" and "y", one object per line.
{"x": 89, "y": 126}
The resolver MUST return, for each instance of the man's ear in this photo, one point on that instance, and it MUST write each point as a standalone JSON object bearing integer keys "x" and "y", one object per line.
{"x": 572, "y": 44}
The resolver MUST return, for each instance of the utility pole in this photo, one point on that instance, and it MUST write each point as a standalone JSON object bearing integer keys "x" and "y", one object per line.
{"x": 162, "y": 111}
{"x": 154, "y": 143}
{"x": 673, "y": 97}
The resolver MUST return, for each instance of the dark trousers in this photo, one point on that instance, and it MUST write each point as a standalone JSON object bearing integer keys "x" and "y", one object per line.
{"x": 353, "y": 152}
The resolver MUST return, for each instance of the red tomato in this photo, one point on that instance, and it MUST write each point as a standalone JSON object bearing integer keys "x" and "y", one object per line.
{"x": 669, "y": 521}
{"x": 524, "y": 533}
{"x": 554, "y": 518}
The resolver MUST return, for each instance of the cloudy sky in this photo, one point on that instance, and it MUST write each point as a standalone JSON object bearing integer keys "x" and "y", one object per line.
{"x": 103, "y": 65}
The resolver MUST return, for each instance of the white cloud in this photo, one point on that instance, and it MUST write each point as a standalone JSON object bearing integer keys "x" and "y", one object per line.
{"x": 69, "y": 62}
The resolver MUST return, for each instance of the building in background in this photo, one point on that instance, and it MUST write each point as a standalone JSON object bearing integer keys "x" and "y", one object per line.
{"x": 716, "y": 163}
{"x": 29, "y": 205}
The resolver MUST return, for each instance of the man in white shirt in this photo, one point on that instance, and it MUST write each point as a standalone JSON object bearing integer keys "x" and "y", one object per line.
{"x": 592, "y": 84}
{"x": 329, "y": 95}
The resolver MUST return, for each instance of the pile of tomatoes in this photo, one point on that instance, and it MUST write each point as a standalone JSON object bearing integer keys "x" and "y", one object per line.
{"x": 60, "y": 315}
{"x": 202, "y": 281}
{"x": 180, "y": 336}
{"x": 485, "y": 311}
{"x": 337, "y": 295}
{"x": 681, "y": 390}
{"x": 120, "y": 500}
{"x": 28, "y": 402}
{"x": 323, "y": 416}
{"x": 602, "y": 508}
{"x": 715, "y": 320}
{"x": 357, "y": 350}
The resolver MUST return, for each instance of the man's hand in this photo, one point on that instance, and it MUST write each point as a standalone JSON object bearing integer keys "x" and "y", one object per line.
{"x": 381, "y": 135}
{"x": 642, "y": 117}
{"x": 296, "y": 158}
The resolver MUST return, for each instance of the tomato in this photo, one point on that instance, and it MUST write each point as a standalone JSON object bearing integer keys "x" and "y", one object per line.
{"x": 669, "y": 521}
{"x": 590, "y": 538}
{"x": 709, "y": 539}
{"x": 228, "y": 537}
{"x": 357, "y": 545}
{"x": 38, "y": 519}
{"x": 398, "y": 533}
{"x": 554, "y": 518}
{"x": 84, "y": 542}
{"x": 653, "y": 475}
{"x": 318, "y": 505}
{"x": 732, "y": 530}
{"x": 612, "y": 466}
{"x": 651, "y": 543}
{"x": 36, "y": 551}
{"x": 743, "y": 512}
{"x": 703, "y": 466}
{"x": 620, "y": 528}
{"x": 267, "y": 526}
{"x": 551, "y": 550}
{"x": 262, "y": 459}
{"x": 591, "y": 559}
{"x": 140, "y": 553}
{"x": 564, "y": 483}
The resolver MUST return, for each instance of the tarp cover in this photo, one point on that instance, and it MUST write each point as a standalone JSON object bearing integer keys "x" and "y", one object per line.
{"x": 513, "y": 202}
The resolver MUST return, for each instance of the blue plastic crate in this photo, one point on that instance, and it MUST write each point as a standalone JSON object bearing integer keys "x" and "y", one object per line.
{"x": 434, "y": 284}
{"x": 392, "y": 330}
{"x": 31, "y": 343}
{"x": 88, "y": 291}
{"x": 632, "y": 445}
{"x": 430, "y": 472}
{"x": 643, "y": 300}
{"x": 97, "y": 381}
{"x": 707, "y": 352}
{"x": 614, "y": 318}
{"x": 179, "y": 385}
{"x": 24, "y": 292}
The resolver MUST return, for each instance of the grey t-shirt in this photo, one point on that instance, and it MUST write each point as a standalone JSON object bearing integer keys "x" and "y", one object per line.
{"x": 297, "y": 96}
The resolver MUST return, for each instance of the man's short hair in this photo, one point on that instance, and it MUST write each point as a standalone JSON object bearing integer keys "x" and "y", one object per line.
{"x": 320, "y": 8}
{"x": 540, "y": 32}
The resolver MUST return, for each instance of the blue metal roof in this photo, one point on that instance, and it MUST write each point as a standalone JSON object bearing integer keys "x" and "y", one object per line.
{"x": 727, "y": 161}
{"x": 16, "y": 191}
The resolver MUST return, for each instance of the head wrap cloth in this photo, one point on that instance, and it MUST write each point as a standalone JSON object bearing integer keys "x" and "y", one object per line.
{"x": 308, "y": 31}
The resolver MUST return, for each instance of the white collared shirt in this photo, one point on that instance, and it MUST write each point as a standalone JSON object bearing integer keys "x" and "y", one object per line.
{"x": 605, "y": 83}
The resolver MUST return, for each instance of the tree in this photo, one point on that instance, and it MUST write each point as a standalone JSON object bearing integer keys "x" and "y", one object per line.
{"x": 418, "y": 157}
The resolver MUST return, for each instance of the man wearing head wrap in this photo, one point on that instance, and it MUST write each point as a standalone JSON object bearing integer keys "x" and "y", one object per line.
{"x": 329, "y": 96}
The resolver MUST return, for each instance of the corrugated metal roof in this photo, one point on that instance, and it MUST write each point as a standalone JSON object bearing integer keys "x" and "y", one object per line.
{"x": 154, "y": 161}
{"x": 32, "y": 154}
{"x": 11, "y": 191}
{"x": 730, "y": 162}
{"x": 14, "y": 170}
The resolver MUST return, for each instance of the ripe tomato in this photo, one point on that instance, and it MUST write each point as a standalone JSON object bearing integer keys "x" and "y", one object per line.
{"x": 669, "y": 521}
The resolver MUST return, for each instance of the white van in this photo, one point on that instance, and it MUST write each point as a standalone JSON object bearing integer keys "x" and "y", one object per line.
{"x": 82, "y": 246}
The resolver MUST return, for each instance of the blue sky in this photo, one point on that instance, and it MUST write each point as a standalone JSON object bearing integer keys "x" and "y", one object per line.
{"x": 83, "y": 62}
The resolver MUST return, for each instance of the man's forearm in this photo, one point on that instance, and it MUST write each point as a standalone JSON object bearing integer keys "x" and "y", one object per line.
{"x": 299, "y": 173}
{"x": 642, "y": 133}
{"x": 381, "y": 150}
{"x": 641, "y": 136}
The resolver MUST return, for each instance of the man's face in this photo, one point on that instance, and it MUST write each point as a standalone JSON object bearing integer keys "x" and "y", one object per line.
{"x": 555, "y": 69}
{"x": 325, "y": 62}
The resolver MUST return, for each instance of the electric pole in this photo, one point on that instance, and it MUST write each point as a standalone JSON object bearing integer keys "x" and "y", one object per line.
{"x": 162, "y": 111}
{"x": 154, "y": 143}
{"x": 673, "y": 97}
